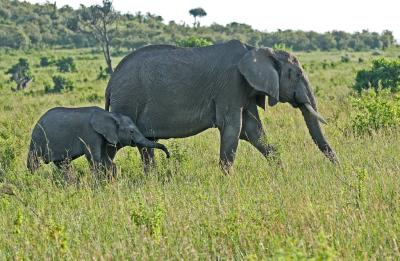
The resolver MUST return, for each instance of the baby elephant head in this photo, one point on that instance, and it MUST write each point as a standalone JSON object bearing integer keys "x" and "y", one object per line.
{"x": 120, "y": 130}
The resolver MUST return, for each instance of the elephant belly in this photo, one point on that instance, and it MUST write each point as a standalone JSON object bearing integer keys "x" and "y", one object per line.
{"x": 184, "y": 122}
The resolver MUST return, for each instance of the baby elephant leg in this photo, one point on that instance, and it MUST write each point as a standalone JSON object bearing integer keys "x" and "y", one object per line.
{"x": 107, "y": 159}
{"x": 94, "y": 157}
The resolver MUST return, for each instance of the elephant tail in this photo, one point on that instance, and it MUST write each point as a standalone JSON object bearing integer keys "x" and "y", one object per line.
{"x": 107, "y": 102}
{"x": 32, "y": 162}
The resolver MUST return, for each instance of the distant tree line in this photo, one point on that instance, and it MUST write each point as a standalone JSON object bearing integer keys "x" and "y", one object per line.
{"x": 24, "y": 25}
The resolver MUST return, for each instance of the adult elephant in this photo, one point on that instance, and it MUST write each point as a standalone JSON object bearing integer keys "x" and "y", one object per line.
{"x": 173, "y": 92}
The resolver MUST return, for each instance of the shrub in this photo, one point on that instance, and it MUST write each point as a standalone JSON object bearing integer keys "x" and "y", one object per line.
{"x": 377, "y": 52}
{"x": 345, "y": 58}
{"x": 20, "y": 73}
{"x": 61, "y": 84}
{"x": 66, "y": 64}
{"x": 151, "y": 219}
{"x": 383, "y": 72}
{"x": 194, "y": 41}
{"x": 46, "y": 61}
{"x": 375, "y": 111}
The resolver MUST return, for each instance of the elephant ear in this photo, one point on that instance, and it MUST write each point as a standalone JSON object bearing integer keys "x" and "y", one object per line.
{"x": 105, "y": 124}
{"x": 259, "y": 67}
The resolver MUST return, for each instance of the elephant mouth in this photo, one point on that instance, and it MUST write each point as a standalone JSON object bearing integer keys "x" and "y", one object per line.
{"x": 294, "y": 102}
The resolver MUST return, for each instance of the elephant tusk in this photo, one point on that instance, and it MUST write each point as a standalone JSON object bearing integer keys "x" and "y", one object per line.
{"x": 314, "y": 113}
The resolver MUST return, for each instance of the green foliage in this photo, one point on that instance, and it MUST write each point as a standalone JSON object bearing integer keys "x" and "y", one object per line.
{"x": 46, "y": 61}
{"x": 20, "y": 70}
{"x": 151, "y": 219}
{"x": 7, "y": 155}
{"x": 345, "y": 58}
{"x": 375, "y": 111}
{"x": 383, "y": 73}
{"x": 66, "y": 64}
{"x": 24, "y": 25}
{"x": 197, "y": 12}
{"x": 194, "y": 41}
{"x": 61, "y": 84}
{"x": 13, "y": 37}
{"x": 20, "y": 73}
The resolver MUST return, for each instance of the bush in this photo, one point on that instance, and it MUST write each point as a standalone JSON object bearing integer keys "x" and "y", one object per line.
{"x": 46, "y": 61}
{"x": 345, "y": 58}
{"x": 377, "y": 52}
{"x": 61, "y": 84}
{"x": 66, "y": 64}
{"x": 194, "y": 41}
{"x": 20, "y": 73}
{"x": 384, "y": 73}
{"x": 375, "y": 111}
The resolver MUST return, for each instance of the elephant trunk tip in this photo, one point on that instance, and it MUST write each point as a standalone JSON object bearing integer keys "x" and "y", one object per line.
{"x": 331, "y": 155}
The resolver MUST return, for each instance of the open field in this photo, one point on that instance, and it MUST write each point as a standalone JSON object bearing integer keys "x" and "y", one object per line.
{"x": 186, "y": 208}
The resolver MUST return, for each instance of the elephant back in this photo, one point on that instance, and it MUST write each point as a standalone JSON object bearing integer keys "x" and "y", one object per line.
{"x": 148, "y": 48}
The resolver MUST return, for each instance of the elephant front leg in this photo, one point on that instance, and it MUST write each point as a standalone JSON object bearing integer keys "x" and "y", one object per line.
{"x": 94, "y": 156}
{"x": 253, "y": 132}
{"x": 229, "y": 131}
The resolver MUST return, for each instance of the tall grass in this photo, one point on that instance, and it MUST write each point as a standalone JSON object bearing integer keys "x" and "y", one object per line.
{"x": 303, "y": 208}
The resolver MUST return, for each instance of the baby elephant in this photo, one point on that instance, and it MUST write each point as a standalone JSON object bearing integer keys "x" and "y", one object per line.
{"x": 64, "y": 134}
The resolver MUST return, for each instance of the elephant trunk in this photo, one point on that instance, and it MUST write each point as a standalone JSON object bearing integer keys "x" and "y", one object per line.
{"x": 144, "y": 142}
{"x": 312, "y": 118}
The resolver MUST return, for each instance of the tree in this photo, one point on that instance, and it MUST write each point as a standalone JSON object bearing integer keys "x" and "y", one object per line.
{"x": 20, "y": 74}
{"x": 387, "y": 39}
{"x": 13, "y": 37}
{"x": 197, "y": 12}
{"x": 97, "y": 21}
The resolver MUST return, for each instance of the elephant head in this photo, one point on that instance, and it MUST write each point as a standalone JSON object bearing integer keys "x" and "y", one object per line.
{"x": 279, "y": 75}
{"x": 120, "y": 130}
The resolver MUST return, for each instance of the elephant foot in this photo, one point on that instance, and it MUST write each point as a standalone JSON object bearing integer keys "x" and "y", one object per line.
{"x": 226, "y": 166}
{"x": 273, "y": 155}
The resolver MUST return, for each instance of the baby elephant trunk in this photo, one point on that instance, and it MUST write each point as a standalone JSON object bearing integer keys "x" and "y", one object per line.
{"x": 140, "y": 140}
{"x": 151, "y": 144}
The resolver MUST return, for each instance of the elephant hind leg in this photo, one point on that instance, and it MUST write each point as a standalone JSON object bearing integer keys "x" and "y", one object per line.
{"x": 229, "y": 127}
{"x": 147, "y": 156}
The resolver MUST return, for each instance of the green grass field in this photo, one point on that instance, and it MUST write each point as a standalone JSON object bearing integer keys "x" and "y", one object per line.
{"x": 304, "y": 208}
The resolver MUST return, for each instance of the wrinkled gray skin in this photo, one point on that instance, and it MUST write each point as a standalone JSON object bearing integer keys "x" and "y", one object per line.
{"x": 173, "y": 92}
{"x": 64, "y": 134}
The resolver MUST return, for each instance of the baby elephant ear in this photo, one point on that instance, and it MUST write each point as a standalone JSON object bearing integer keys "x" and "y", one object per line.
{"x": 259, "y": 67}
{"x": 106, "y": 124}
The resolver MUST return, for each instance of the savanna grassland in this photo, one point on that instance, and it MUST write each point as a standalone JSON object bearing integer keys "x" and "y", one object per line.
{"x": 298, "y": 207}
